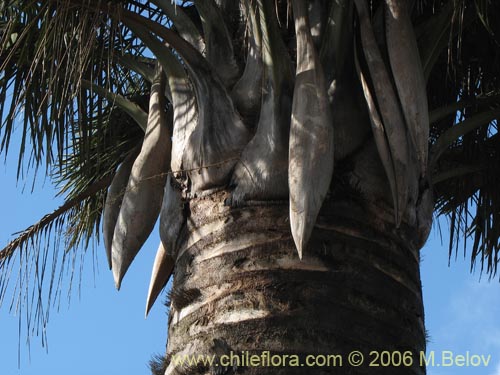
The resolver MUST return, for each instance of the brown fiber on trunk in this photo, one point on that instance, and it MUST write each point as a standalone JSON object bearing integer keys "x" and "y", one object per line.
{"x": 240, "y": 286}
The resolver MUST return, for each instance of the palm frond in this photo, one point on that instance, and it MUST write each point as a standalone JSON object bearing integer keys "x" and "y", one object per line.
{"x": 60, "y": 240}
{"x": 47, "y": 50}
{"x": 464, "y": 135}
{"x": 471, "y": 200}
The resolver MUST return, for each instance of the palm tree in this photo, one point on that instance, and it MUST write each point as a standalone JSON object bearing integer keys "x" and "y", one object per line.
{"x": 295, "y": 152}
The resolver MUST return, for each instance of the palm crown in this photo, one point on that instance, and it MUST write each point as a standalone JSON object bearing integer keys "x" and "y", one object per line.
{"x": 78, "y": 75}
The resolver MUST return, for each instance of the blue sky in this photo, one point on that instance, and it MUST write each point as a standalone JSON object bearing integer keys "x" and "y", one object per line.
{"x": 103, "y": 332}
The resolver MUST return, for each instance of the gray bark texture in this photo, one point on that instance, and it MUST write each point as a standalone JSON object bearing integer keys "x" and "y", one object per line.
{"x": 240, "y": 286}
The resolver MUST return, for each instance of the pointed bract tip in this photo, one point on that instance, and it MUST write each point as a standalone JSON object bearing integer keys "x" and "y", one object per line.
{"x": 301, "y": 231}
{"x": 149, "y": 304}
{"x": 162, "y": 270}
{"x": 118, "y": 279}
{"x": 107, "y": 247}
{"x": 299, "y": 244}
{"x": 299, "y": 251}
{"x": 298, "y": 241}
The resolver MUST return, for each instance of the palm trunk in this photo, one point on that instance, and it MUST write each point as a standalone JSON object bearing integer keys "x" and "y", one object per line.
{"x": 240, "y": 288}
